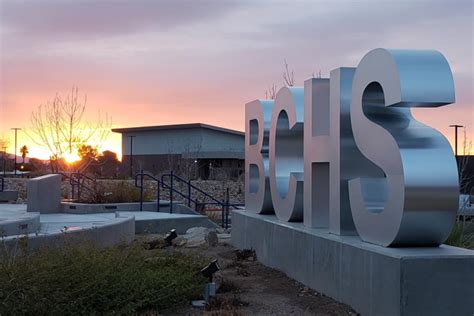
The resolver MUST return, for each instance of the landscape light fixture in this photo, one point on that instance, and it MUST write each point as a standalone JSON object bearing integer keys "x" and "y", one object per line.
{"x": 210, "y": 287}
{"x": 209, "y": 270}
{"x": 170, "y": 236}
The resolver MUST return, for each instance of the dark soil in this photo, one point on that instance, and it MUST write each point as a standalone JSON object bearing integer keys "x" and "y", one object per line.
{"x": 246, "y": 287}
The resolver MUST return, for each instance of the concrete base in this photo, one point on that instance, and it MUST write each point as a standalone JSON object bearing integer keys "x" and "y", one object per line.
{"x": 7, "y": 196}
{"x": 373, "y": 280}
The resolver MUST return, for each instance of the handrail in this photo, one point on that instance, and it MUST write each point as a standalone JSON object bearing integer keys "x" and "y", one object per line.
{"x": 75, "y": 179}
{"x": 190, "y": 185}
{"x": 225, "y": 204}
{"x": 159, "y": 184}
{"x": 141, "y": 174}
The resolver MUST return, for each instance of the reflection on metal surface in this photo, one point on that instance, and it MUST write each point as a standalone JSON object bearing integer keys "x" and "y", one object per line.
{"x": 257, "y": 182}
{"x": 316, "y": 152}
{"x": 411, "y": 196}
{"x": 344, "y": 152}
{"x": 360, "y": 164}
{"x": 286, "y": 154}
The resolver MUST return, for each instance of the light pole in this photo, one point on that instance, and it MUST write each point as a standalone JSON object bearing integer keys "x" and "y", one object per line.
{"x": 16, "y": 129}
{"x": 131, "y": 155}
{"x": 456, "y": 126}
{"x": 4, "y": 161}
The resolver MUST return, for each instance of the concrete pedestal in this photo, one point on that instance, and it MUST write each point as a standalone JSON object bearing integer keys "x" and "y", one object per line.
{"x": 373, "y": 280}
{"x": 44, "y": 194}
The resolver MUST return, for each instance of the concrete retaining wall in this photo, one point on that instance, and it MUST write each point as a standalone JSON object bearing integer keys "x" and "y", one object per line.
{"x": 373, "y": 280}
{"x": 214, "y": 187}
{"x": 7, "y": 196}
{"x": 119, "y": 230}
{"x": 85, "y": 208}
{"x": 17, "y": 225}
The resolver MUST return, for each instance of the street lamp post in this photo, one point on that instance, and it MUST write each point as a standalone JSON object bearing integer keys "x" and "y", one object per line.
{"x": 4, "y": 161}
{"x": 131, "y": 155}
{"x": 16, "y": 129}
{"x": 456, "y": 126}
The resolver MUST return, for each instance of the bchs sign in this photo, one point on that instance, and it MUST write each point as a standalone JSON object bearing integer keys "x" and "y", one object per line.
{"x": 345, "y": 153}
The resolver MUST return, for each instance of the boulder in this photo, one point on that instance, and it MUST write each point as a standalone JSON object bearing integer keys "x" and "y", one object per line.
{"x": 211, "y": 238}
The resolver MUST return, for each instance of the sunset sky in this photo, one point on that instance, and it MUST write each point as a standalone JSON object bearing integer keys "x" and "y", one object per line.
{"x": 166, "y": 62}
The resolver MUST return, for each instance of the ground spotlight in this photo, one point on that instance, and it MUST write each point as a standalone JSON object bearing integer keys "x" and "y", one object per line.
{"x": 170, "y": 236}
{"x": 209, "y": 270}
{"x": 210, "y": 287}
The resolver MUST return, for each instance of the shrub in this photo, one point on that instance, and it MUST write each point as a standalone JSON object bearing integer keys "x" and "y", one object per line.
{"x": 87, "y": 280}
{"x": 115, "y": 192}
{"x": 462, "y": 235}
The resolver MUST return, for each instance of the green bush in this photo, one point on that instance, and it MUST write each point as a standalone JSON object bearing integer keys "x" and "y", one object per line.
{"x": 85, "y": 280}
{"x": 115, "y": 192}
{"x": 462, "y": 235}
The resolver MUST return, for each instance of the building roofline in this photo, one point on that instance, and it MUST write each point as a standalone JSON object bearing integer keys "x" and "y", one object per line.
{"x": 176, "y": 126}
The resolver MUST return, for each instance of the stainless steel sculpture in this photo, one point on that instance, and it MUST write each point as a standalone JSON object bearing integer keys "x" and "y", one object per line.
{"x": 286, "y": 154}
{"x": 258, "y": 116}
{"x": 411, "y": 196}
{"x": 369, "y": 167}
{"x": 316, "y": 152}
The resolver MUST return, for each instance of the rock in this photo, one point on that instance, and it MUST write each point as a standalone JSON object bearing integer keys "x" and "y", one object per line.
{"x": 224, "y": 238}
{"x": 211, "y": 238}
{"x": 180, "y": 241}
{"x": 195, "y": 236}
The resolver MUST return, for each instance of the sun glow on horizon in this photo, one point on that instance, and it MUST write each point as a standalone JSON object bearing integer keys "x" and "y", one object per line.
{"x": 71, "y": 157}
{"x": 113, "y": 143}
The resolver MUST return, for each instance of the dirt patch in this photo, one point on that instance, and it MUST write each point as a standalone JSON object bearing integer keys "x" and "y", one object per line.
{"x": 246, "y": 287}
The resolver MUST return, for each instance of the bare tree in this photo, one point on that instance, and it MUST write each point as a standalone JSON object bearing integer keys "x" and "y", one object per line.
{"x": 59, "y": 125}
{"x": 271, "y": 92}
{"x": 465, "y": 177}
{"x": 191, "y": 155}
{"x": 4, "y": 143}
{"x": 288, "y": 76}
{"x": 3, "y": 149}
{"x": 318, "y": 75}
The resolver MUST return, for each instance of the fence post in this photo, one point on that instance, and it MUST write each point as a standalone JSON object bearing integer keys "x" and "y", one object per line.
{"x": 189, "y": 192}
{"x": 141, "y": 190}
{"x": 227, "y": 208}
{"x": 171, "y": 192}
{"x": 223, "y": 210}
{"x": 158, "y": 195}
{"x": 79, "y": 187}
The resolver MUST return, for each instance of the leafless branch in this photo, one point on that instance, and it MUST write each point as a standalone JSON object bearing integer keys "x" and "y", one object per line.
{"x": 288, "y": 77}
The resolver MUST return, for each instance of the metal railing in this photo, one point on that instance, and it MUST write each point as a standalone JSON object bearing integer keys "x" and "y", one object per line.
{"x": 76, "y": 180}
{"x": 141, "y": 175}
{"x": 225, "y": 204}
{"x": 159, "y": 184}
{"x": 170, "y": 181}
